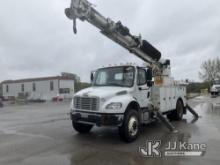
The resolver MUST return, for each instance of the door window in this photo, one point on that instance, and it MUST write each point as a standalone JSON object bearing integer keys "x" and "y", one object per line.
{"x": 142, "y": 79}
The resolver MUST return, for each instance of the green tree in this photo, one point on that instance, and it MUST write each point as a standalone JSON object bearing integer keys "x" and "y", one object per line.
{"x": 210, "y": 70}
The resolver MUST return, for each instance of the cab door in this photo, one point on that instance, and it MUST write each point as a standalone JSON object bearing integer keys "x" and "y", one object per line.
{"x": 142, "y": 91}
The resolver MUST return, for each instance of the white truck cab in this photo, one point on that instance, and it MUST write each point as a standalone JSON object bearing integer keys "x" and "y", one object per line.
{"x": 215, "y": 89}
{"x": 125, "y": 97}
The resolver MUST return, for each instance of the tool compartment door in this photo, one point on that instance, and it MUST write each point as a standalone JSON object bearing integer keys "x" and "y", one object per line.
{"x": 159, "y": 98}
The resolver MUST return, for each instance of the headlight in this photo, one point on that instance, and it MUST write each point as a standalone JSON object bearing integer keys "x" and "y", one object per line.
{"x": 114, "y": 106}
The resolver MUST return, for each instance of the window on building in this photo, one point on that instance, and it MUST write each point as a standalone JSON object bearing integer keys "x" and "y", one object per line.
{"x": 34, "y": 87}
{"x": 7, "y": 88}
{"x": 64, "y": 91}
{"x": 51, "y": 86}
{"x": 22, "y": 87}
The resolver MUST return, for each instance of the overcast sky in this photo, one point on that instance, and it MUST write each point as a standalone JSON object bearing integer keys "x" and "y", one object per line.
{"x": 36, "y": 38}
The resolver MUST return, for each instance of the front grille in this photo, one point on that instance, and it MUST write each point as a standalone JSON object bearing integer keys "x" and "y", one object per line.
{"x": 86, "y": 103}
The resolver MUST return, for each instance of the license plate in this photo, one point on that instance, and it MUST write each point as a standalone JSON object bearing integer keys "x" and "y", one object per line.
{"x": 84, "y": 115}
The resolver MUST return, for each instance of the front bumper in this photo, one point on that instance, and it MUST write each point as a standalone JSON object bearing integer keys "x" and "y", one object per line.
{"x": 99, "y": 119}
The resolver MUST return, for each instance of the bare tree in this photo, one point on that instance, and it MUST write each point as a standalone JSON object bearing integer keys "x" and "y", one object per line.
{"x": 210, "y": 69}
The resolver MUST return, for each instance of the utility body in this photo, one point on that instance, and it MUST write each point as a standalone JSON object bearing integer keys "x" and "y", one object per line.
{"x": 125, "y": 96}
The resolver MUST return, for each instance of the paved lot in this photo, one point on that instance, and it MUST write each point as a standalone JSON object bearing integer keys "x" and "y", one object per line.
{"x": 42, "y": 134}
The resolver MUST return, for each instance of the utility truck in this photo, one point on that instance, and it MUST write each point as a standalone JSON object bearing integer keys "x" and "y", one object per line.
{"x": 125, "y": 96}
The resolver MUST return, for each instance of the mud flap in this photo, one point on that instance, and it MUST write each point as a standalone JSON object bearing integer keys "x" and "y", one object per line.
{"x": 166, "y": 122}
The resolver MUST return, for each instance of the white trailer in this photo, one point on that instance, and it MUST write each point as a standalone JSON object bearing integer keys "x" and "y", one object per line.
{"x": 125, "y": 96}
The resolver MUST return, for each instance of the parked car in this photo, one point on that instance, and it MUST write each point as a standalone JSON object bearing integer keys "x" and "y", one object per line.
{"x": 57, "y": 98}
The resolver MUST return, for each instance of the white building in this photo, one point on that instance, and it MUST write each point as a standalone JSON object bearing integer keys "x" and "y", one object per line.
{"x": 45, "y": 88}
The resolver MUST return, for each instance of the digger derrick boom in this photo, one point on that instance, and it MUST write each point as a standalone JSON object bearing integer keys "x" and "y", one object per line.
{"x": 120, "y": 34}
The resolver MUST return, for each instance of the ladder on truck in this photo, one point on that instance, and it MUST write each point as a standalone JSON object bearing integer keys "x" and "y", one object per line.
{"x": 120, "y": 34}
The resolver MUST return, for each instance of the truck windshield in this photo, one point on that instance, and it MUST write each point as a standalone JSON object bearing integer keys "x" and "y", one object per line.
{"x": 122, "y": 76}
{"x": 216, "y": 82}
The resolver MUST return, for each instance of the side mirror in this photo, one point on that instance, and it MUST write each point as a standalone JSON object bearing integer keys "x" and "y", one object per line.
{"x": 149, "y": 76}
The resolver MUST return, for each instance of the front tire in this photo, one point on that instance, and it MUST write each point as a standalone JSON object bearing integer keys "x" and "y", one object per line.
{"x": 129, "y": 130}
{"x": 82, "y": 128}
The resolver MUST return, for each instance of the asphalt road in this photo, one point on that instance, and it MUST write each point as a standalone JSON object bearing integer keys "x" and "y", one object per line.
{"x": 42, "y": 134}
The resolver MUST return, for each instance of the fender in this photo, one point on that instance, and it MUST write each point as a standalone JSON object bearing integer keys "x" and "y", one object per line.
{"x": 133, "y": 105}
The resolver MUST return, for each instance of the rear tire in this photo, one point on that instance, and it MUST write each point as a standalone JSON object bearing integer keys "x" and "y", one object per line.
{"x": 82, "y": 128}
{"x": 130, "y": 128}
{"x": 179, "y": 110}
{"x": 178, "y": 113}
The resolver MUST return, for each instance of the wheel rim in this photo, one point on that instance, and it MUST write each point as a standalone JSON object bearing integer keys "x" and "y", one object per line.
{"x": 133, "y": 126}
